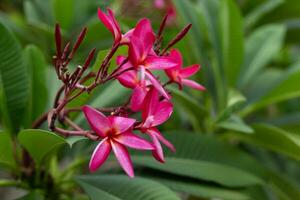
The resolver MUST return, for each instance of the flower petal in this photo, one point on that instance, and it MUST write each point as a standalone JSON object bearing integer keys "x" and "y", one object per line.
{"x": 157, "y": 153}
{"x": 162, "y": 113}
{"x": 136, "y": 51}
{"x": 157, "y": 85}
{"x": 128, "y": 79}
{"x": 189, "y": 71}
{"x": 98, "y": 122}
{"x": 111, "y": 24}
{"x": 193, "y": 84}
{"x": 162, "y": 139}
{"x": 123, "y": 158}
{"x": 150, "y": 103}
{"x": 157, "y": 62}
{"x": 137, "y": 98}
{"x": 143, "y": 30}
{"x": 100, "y": 155}
{"x": 121, "y": 124}
{"x": 131, "y": 140}
{"x": 176, "y": 55}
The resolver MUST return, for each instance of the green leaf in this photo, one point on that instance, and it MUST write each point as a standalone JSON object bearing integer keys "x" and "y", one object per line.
{"x": 13, "y": 80}
{"x": 234, "y": 101}
{"x": 205, "y": 158}
{"x": 286, "y": 87}
{"x": 63, "y": 12}
{"x": 261, "y": 47}
{"x": 235, "y": 123}
{"x": 189, "y": 106}
{"x": 37, "y": 67}
{"x": 202, "y": 170}
{"x": 39, "y": 143}
{"x": 202, "y": 190}
{"x": 6, "y": 149}
{"x": 72, "y": 140}
{"x": 122, "y": 187}
{"x": 260, "y": 11}
{"x": 231, "y": 33}
{"x": 283, "y": 186}
{"x": 272, "y": 138}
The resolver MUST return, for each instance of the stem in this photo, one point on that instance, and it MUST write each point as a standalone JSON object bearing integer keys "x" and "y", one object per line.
{"x": 106, "y": 60}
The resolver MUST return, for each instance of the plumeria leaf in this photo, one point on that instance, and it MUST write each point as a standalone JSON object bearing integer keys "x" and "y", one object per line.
{"x": 272, "y": 138}
{"x": 205, "y": 158}
{"x": 261, "y": 47}
{"x": 39, "y": 143}
{"x": 14, "y": 81}
{"x": 203, "y": 190}
{"x": 73, "y": 140}
{"x": 63, "y": 12}
{"x": 190, "y": 106}
{"x": 6, "y": 149}
{"x": 121, "y": 187}
{"x": 232, "y": 44}
{"x": 37, "y": 67}
{"x": 260, "y": 11}
{"x": 234, "y": 102}
{"x": 235, "y": 123}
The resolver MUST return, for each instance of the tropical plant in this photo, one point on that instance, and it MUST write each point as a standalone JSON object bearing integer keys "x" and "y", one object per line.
{"x": 237, "y": 140}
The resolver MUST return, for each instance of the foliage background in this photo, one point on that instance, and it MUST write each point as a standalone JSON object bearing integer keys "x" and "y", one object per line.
{"x": 238, "y": 140}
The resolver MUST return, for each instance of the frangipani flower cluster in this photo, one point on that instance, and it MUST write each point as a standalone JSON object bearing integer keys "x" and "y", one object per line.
{"x": 117, "y": 129}
{"x": 148, "y": 96}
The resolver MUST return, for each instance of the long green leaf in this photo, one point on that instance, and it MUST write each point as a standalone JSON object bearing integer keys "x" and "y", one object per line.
{"x": 231, "y": 33}
{"x": 258, "y": 13}
{"x": 205, "y": 158}
{"x": 39, "y": 96}
{"x": 6, "y": 149}
{"x": 272, "y": 138}
{"x": 13, "y": 80}
{"x": 261, "y": 47}
{"x": 202, "y": 190}
{"x": 122, "y": 187}
{"x": 63, "y": 12}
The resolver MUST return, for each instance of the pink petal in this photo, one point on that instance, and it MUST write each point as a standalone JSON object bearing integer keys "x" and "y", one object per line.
{"x": 136, "y": 51}
{"x": 176, "y": 55}
{"x": 111, "y": 24}
{"x": 189, "y": 71}
{"x": 150, "y": 103}
{"x": 162, "y": 139}
{"x": 156, "y": 84}
{"x": 137, "y": 98}
{"x": 98, "y": 122}
{"x": 116, "y": 27}
{"x": 157, "y": 153}
{"x": 121, "y": 124}
{"x": 131, "y": 140}
{"x": 143, "y": 30}
{"x": 162, "y": 113}
{"x": 100, "y": 155}
{"x": 156, "y": 62}
{"x": 123, "y": 158}
{"x": 128, "y": 79}
{"x": 193, "y": 84}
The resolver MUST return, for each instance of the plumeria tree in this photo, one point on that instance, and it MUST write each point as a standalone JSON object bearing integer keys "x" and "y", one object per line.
{"x": 119, "y": 109}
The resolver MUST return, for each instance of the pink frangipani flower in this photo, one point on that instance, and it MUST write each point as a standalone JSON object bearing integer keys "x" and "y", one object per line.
{"x": 179, "y": 75}
{"x": 116, "y": 133}
{"x": 143, "y": 58}
{"x": 154, "y": 113}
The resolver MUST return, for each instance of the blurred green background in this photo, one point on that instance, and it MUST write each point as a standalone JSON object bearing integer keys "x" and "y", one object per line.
{"x": 238, "y": 140}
